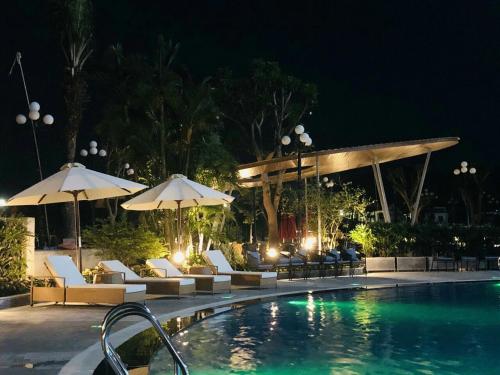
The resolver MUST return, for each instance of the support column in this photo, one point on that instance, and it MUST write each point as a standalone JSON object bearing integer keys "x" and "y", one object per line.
{"x": 381, "y": 191}
{"x": 318, "y": 184}
{"x": 420, "y": 187}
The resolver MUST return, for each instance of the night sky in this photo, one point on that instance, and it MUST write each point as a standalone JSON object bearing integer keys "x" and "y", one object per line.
{"x": 386, "y": 70}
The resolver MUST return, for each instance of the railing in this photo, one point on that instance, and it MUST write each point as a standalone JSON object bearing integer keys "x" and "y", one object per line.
{"x": 138, "y": 309}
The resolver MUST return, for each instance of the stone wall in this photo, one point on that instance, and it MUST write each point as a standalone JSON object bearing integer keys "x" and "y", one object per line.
{"x": 37, "y": 261}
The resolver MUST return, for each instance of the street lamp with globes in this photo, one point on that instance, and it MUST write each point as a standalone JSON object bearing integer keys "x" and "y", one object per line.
{"x": 465, "y": 169}
{"x": 302, "y": 140}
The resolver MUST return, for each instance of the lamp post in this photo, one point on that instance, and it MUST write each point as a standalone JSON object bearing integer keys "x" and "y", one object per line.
{"x": 463, "y": 170}
{"x": 34, "y": 116}
{"x": 302, "y": 140}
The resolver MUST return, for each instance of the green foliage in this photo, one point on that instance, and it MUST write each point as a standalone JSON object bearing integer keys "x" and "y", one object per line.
{"x": 234, "y": 255}
{"x": 402, "y": 239}
{"x": 13, "y": 239}
{"x": 13, "y": 287}
{"x": 363, "y": 235}
{"x": 340, "y": 207}
{"x": 125, "y": 242}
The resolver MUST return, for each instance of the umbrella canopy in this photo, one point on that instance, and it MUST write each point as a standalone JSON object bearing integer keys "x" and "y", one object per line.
{"x": 175, "y": 193}
{"x": 74, "y": 183}
{"x": 72, "y": 178}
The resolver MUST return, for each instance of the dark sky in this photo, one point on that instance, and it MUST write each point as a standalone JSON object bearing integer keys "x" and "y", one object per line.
{"x": 386, "y": 70}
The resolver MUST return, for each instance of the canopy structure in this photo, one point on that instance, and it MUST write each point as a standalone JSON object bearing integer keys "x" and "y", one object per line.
{"x": 338, "y": 160}
{"x": 175, "y": 193}
{"x": 315, "y": 164}
{"x": 74, "y": 183}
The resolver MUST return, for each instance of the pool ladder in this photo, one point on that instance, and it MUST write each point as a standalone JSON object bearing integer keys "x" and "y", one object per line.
{"x": 138, "y": 309}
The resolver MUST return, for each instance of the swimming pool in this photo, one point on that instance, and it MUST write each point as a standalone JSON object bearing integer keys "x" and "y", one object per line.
{"x": 437, "y": 329}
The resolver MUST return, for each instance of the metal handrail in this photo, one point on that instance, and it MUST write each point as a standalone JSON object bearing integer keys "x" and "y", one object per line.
{"x": 138, "y": 309}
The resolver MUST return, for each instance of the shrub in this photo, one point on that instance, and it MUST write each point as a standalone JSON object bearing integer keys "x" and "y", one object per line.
{"x": 234, "y": 254}
{"x": 122, "y": 241}
{"x": 13, "y": 238}
{"x": 363, "y": 235}
{"x": 12, "y": 287}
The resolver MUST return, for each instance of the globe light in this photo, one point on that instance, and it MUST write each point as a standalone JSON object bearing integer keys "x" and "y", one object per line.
{"x": 472, "y": 170}
{"x": 308, "y": 142}
{"x": 93, "y": 144}
{"x": 83, "y": 152}
{"x": 464, "y": 164}
{"x": 179, "y": 257}
{"x": 93, "y": 151}
{"x": 48, "y": 119}
{"x": 325, "y": 179}
{"x": 130, "y": 172}
{"x": 304, "y": 137}
{"x": 102, "y": 153}
{"x": 309, "y": 243}
{"x": 34, "y": 107}
{"x": 3, "y": 202}
{"x": 463, "y": 169}
{"x": 126, "y": 166}
{"x": 456, "y": 172}
{"x": 285, "y": 140}
{"x": 329, "y": 184}
{"x": 34, "y": 115}
{"x": 299, "y": 129}
{"x": 272, "y": 253}
{"x": 20, "y": 119}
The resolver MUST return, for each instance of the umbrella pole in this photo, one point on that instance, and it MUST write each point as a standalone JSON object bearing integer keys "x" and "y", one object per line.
{"x": 77, "y": 230}
{"x": 179, "y": 228}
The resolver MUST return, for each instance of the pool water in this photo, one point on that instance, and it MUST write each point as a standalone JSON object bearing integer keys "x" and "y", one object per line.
{"x": 439, "y": 329}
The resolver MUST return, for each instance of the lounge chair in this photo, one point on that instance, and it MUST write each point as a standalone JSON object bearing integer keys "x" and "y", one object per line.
{"x": 216, "y": 259}
{"x": 154, "y": 285}
{"x": 204, "y": 283}
{"x": 70, "y": 286}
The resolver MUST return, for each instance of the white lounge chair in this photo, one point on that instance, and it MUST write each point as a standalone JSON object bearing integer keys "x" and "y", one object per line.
{"x": 70, "y": 286}
{"x": 154, "y": 285}
{"x": 204, "y": 283}
{"x": 216, "y": 259}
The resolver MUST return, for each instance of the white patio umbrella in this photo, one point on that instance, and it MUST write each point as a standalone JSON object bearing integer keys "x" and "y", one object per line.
{"x": 74, "y": 183}
{"x": 175, "y": 193}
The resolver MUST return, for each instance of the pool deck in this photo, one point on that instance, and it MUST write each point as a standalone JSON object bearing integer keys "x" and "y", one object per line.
{"x": 52, "y": 339}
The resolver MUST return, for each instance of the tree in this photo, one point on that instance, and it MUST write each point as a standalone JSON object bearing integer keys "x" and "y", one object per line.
{"x": 405, "y": 183}
{"x": 265, "y": 106}
{"x": 74, "y": 18}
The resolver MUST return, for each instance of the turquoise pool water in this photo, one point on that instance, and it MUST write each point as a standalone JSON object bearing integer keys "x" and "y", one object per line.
{"x": 440, "y": 329}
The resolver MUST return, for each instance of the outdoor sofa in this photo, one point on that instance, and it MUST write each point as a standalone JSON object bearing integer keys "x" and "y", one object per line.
{"x": 204, "y": 283}
{"x": 71, "y": 287}
{"x": 165, "y": 286}
{"x": 216, "y": 259}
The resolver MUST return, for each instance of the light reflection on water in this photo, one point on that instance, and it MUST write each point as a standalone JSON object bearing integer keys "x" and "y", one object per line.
{"x": 442, "y": 329}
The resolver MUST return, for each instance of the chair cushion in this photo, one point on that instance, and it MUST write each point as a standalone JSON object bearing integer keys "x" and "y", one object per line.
{"x": 129, "y": 288}
{"x": 176, "y": 280}
{"x": 264, "y": 275}
{"x": 117, "y": 266}
{"x": 63, "y": 266}
{"x": 217, "y": 258}
{"x": 352, "y": 253}
{"x": 159, "y": 265}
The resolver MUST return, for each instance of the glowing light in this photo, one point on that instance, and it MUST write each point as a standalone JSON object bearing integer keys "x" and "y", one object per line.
{"x": 179, "y": 257}
{"x": 456, "y": 172}
{"x": 286, "y": 140}
{"x": 272, "y": 252}
{"x": 299, "y": 129}
{"x": 3, "y": 202}
{"x": 309, "y": 243}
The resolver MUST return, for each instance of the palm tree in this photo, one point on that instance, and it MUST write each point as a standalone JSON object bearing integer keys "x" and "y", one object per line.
{"x": 75, "y": 20}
